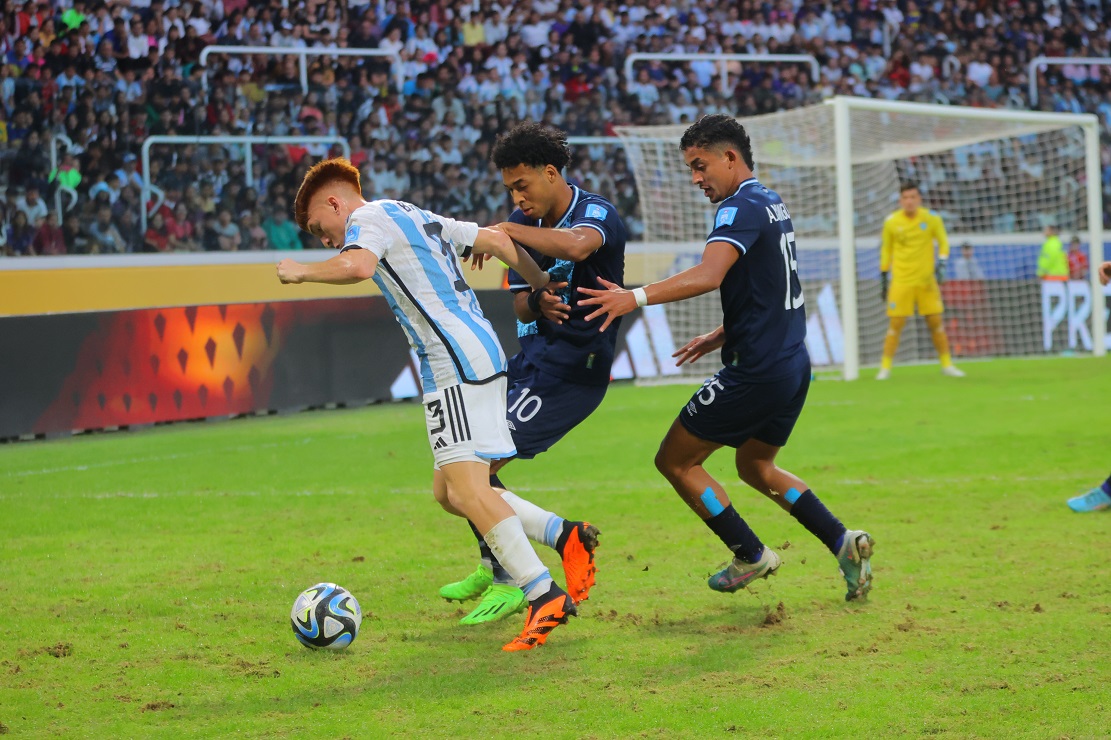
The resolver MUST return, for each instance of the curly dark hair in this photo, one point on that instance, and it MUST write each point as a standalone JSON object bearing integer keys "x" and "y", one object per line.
{"x": 717, "y": 129}
{"x": 532, "y": 144}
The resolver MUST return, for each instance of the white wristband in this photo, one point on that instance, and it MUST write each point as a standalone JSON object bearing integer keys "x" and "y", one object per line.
{"x": 641, "y": 296}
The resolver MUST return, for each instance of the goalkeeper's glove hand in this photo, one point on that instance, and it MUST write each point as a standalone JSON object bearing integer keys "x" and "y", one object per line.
{"x": 883, "y": 287}
{"x": 939, "y": 271}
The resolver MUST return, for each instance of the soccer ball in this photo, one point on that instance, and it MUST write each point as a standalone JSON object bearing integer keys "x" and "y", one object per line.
{"x": 326, "y": 616}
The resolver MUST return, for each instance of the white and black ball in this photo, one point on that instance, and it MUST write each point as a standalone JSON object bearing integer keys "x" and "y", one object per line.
{"x": 326, "y": 616}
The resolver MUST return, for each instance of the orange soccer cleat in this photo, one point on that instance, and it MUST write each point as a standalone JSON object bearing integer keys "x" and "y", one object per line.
{"x": 576, "y": 548}
{"x": 544, "y": 615}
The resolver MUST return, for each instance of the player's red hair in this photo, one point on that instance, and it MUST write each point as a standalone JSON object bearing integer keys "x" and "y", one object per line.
{"x": 321, "y": 174}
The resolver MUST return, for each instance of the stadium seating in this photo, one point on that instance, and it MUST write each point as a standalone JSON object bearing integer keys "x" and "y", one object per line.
{"x": 108, "y": 74}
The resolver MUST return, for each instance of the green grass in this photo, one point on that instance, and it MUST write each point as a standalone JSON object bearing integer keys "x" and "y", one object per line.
{"x": 148, "y": 577}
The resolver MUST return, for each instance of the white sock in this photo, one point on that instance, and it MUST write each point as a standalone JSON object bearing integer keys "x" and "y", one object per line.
{"x": 540, "y": 525}
{"x": 510, "y": 545}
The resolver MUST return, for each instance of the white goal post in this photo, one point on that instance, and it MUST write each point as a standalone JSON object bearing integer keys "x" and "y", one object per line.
{"x": 997, "y": 177}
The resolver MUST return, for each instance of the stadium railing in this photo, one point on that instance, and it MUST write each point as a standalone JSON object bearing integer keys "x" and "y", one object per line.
{"x": 246, "y": 141}
{"x": 1036, "y": 62}
{"x": 302, "y": 54}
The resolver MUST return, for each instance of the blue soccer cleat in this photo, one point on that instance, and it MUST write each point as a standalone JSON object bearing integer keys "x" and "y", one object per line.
{"x": 854, "y": 559}
{"x": 1094, "y": 500}
{"x": 738, "y": 574}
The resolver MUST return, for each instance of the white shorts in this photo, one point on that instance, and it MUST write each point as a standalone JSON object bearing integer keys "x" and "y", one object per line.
{"x": 467, "y": 423}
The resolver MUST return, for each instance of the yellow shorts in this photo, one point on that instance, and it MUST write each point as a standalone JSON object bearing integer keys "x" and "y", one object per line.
{"x": 902, "y": 298}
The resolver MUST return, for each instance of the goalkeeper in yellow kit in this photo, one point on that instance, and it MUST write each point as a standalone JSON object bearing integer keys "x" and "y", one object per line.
{"x": 908, "y": 253}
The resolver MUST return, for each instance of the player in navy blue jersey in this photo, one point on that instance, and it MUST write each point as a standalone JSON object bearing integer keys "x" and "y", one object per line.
{"x": 563, "y": 369}
{"x": 753, "y": 402}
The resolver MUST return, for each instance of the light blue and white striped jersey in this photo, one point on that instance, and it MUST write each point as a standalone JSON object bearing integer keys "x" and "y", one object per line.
{"x": 420, "y": 277}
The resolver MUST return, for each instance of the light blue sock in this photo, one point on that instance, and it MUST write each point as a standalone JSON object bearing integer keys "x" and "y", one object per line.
{"x": 540, "y": 525}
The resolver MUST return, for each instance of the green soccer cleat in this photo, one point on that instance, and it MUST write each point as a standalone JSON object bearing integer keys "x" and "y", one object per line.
{"x": 470, "y": 587}
{"x": 498, "y": 602}
{"x": 854, "y": 561}
{"x": 738, "y": 574}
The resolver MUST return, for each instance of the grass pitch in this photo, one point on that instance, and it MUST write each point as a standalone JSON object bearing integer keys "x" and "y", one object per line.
{"x": 148, "y": 577}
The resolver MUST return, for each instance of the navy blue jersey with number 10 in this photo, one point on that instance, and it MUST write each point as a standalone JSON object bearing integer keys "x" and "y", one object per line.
{"x": 761, "y": 296}
{"x": 575, "y": 350}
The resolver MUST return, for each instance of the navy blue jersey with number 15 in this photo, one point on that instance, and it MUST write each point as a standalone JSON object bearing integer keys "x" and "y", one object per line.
{"x": 761, "y": 296}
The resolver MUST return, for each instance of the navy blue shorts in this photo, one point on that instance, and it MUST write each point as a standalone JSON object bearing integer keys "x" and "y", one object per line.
{"x": 730, "y": 410}
{"x": 542, "y": 408}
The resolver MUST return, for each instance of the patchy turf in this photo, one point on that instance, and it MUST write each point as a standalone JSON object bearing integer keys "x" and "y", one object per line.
{"x": 149, "y": 577}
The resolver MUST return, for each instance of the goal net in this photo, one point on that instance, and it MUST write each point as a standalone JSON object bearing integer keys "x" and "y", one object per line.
{"x": 998, "y": 182}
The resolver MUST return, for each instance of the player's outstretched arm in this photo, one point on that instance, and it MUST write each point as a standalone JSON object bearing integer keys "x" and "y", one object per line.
{"x": 700, "y": 346}
{"x": 567, "y": 244}
{"x": 615, "y": 301}
{"x": 347, "y": 267}
{"x": 499, "y": 244}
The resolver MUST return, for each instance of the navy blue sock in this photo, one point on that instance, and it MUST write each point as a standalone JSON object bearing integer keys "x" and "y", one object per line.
{"x": 483, "y": 548}
{"x": 813, "y": 514}
{"x": 1107, "y": 486}
{"x": 736, "y": 534}
{"x": 500, "y": 574}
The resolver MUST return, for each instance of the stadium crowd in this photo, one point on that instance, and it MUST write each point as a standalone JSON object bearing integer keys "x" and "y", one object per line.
{"x": 106, "y": 74}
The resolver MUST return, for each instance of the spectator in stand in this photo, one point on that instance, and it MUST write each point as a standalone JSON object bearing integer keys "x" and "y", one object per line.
{"x": 254, "y": 236}
{"x": 32, "y": 206}
{"x": 209, "y": 238}
{"x": 104, "y": 237}
{"x": 1078, "y": 261}
{"x": 109, "y": 74}
{"x": 110, "y": 186}
{"x": 280, "y": 231}
{"x": 127, "y": 223}
{"x": 157, "y": 238}
{"x": 68, "y": 173}
{"x": 966, "y": 267}
{"x": 49, "y": 238}
{"x": 980, "y": 70}
{"x": 180, "y": 230}
{"x": 76, "y": 240}
{"x": 227, "y": 233}
{"x": 127, "y": 173}
{"x": 474, "y": 32}
{"x": 20, "y": 236}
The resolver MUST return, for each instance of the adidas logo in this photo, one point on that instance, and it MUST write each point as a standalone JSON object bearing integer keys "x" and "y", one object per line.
{"x": 440, "y": 443}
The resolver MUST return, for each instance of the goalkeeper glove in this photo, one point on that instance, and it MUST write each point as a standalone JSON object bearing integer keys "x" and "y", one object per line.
{"x": 883, "y": 287}
{"x": 939, "y": 271}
